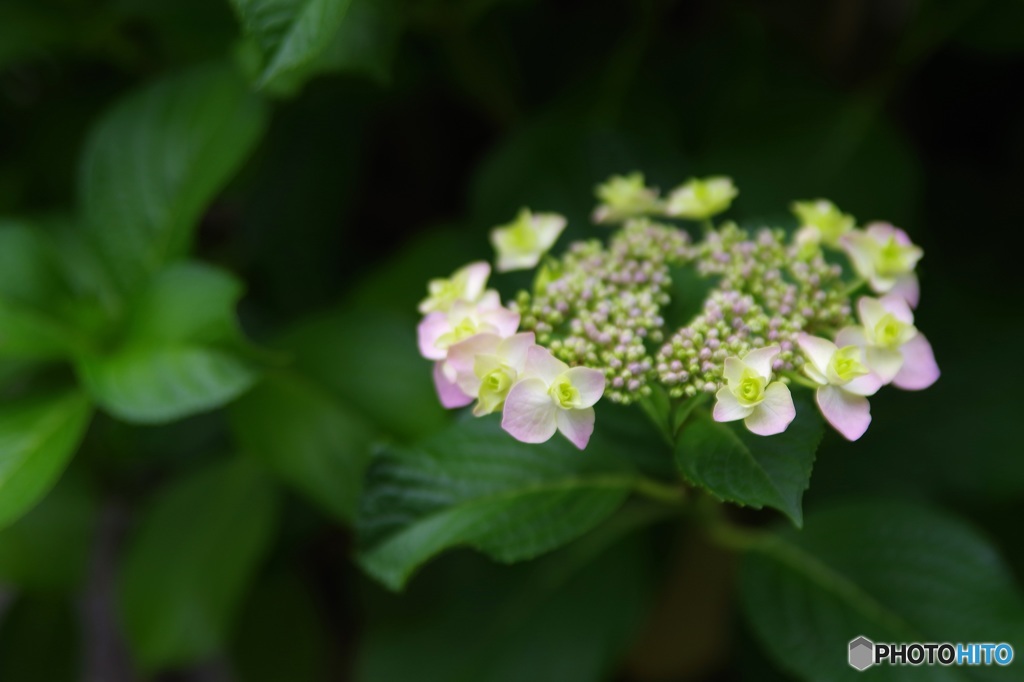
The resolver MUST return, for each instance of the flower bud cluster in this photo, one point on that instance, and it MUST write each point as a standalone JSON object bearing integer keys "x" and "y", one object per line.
{"x": 601, "y": 306}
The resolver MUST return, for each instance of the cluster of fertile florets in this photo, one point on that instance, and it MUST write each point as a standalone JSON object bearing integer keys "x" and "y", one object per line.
{"x": 776, "y": 311}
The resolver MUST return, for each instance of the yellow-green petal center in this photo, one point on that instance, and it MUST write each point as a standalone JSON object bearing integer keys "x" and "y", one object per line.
{"x": 749, "y": 390}
{"x": 565, "y": 394}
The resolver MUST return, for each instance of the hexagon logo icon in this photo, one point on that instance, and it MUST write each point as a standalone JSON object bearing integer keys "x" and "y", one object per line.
{"x": 862, "y": 653}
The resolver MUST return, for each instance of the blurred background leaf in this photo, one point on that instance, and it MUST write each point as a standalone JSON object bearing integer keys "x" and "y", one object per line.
{"x": 195, "y": 553}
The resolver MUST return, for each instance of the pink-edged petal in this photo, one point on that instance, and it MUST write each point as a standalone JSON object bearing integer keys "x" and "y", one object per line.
{"x": 728, "y": 408}
{"x": 589, "y": 382}
{"x": 576, "y": 425}
{"x": 898, "y": 306}
{"x": 760, "y": 360}
{"x": 529, "y": 413}
{"x": 431, "y": 328}
{"x": 476, "y": 279}
{"x": 851, "y": 336}
{"x": 489, "y": 300}
{"x": 908, "y": 288}
{"x": 774, "y": 414}
{"x": 462, "y": 355}
{"x": 504, "y": 321}
{"x": 540, "y": 363}
{"x": 818, "y": 350}
{"x": 733, "y": 370}
{"x": 919, "y": 369}
{"x": 448, "y": 391}
{"x": 848, "y": 414}
{"x": 884, "y": 362}
{"x": 866, "y": 384}
{"x": 513, "y": 349}
{"x": 881, "y": 232}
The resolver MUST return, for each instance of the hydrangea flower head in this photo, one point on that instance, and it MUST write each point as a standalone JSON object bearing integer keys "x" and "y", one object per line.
{"x": 623, "y": 197}
{"x": 486, "y": 366}
{"x": 466, "y": 284}
{"x": 765, "y": 406}
{"x": 821, "y": 222}
{"x": 886, "y": 258}
{"x": 552, "y": 397}
{"x": 843, "y": 381}
{"x": 895, "y": 351}
{"x": 699, "y": 199}
{"x": 521, "y": 243}
{"x": 438, "y": 331}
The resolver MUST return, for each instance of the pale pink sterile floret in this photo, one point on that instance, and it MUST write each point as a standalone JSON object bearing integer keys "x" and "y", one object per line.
{"x": 895, "y": 351}
{"x": 884, "y": 256}
{"x": 438, "y": 331}
{"x": 448, "y": 391}
{"x": 843, "y": 382}
{"x": 551, "y": 397}
{"x": 486, "y": 366}
{"x": 766, "y": 407}
{"x": 465, "y": 284}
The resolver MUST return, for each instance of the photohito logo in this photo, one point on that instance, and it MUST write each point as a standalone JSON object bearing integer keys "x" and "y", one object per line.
{"x": 864, "y": 653}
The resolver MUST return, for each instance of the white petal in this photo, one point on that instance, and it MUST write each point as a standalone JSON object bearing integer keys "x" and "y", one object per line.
{"x": 849, "y": 414}
{"x": 859, "y": 248}
{"x": 851, "y": 336}
{"x": 511, "y": 261}
{"x": 760, "y": 360}
{"x": 775, "y": 413}
{"x": 549, "y": 227}
{"x": 919, "y": 367}
{"x": 540, "y": 363}
{"x": 880, "y": 232}
{"x": 733, "y": 370}
{"x": 576, "y": 425}
{"x": 884, "y": 362}
{"x": 589, "y": 382}
{"x": 476, "y": 279}
{"x": 871, "y": 311}
{"x": 513, "y": 350}
{"x": 728, "y": 408}
{"x": 529, "y": 413}
{"x": 818, "y": 350}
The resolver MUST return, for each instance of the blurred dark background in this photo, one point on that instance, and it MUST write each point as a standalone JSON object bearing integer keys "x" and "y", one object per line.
{"x": 910, "y": 111}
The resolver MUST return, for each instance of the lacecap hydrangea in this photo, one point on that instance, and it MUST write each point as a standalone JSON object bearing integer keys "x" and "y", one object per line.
{"x": 828, "y": 308}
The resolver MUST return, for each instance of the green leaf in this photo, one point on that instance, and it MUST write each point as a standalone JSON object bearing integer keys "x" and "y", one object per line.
{"x": 308, "y": 437}
{"x": 567, "y": 617}
{"x": 195, "y": 554}
{"x": 757, "y": 471}
{"x": 37, "y": 438}
{"x": 33, "y": 293}
{"x": 890, "y": 571}
{"x": 181, "y": 353}
{"x": 290, "y": 33}
{"x": 47, "y": 549}
{"x": 368, "y": 360}
{"x": 156, "y": 159}
{"x": 475, "y": 485}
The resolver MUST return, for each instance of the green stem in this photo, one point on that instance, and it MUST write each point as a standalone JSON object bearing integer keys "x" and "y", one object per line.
{"x": 854, "y": 286}
{"x": 708, "y": 226}
{"x": 801, "y": 380}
